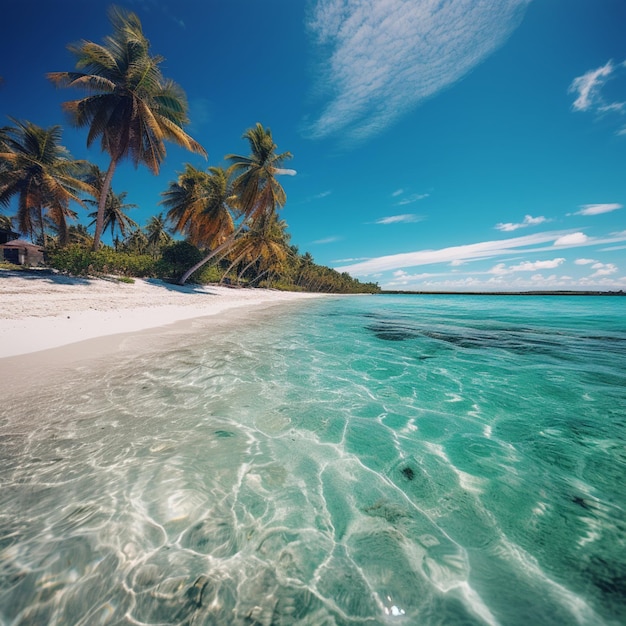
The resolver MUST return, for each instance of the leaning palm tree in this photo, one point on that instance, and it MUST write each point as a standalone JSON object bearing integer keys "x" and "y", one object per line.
{"x": 199, "y": 206}
{"x": 131, "y": 107}
{"x": 114, "y": 214}
{"x": 42, "y": 175}
{"x": 256, "y": 193}
{"x": 265, "y": 244}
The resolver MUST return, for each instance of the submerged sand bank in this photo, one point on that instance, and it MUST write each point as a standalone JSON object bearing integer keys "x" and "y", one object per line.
{"x": 42, "y": 311}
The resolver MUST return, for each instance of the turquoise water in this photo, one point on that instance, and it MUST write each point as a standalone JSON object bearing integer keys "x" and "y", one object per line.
{"x": 367, "y": 460}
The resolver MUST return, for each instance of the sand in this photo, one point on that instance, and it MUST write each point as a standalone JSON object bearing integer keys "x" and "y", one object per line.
{"x": 41, "y": 311}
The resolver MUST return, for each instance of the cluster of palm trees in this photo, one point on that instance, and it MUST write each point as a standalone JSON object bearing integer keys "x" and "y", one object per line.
{"x": 132, "y": 110}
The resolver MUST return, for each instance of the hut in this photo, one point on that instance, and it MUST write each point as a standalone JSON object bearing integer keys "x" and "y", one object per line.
{"x": 22, "y": 252}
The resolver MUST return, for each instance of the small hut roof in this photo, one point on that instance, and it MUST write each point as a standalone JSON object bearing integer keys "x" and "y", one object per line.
{"x": 20, "y": 243}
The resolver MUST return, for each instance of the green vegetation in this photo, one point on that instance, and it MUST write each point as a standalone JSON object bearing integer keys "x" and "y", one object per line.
{"x": 228, "y": 217}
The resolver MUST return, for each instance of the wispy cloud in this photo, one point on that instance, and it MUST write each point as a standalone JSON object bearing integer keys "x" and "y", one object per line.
{"x": 326, "y": 240}
{"x": 323, "y": 194}
{"x": 383, "y": 57}
{"x": 313, "y": 198}
{"x": 364, "y": 258}
{"x": 482, "y": 250}
{"x": 590, "y": 89}
{"x": 397, "y": 192}
{"x": 597, "y": 209}
{"x": 457, "y": 255}
{"x": 407, "y": 218}
{"x": 528, "y": 221}
{"x": 415, "y": 197}
{"x": 585, "y": 261}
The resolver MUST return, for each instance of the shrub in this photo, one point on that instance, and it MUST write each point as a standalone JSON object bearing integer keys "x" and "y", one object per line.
{"x": 207, "y": 274}
{"x": 176, "y": 259}
{"x": 79, "y": 261}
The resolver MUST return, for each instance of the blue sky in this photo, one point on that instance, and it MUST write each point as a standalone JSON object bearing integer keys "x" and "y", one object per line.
{"x": 451, "y": 145}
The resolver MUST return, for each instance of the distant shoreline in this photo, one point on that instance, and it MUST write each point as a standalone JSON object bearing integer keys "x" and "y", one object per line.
{"x": 503, "y": 293}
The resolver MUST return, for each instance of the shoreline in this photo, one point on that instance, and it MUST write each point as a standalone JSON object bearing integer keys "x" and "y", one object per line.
{"x": 46, "y": 311}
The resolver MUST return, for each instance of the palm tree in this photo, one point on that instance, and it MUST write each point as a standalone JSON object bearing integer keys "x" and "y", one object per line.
{"x": 255, "y": 186}
{"x": 6, "y": 222}
{"x": 136, "y": 242}
{"x": 114, "y": 214}
{"x": 266, "y": 245}
{"x": 156, "y": 233}
{"x": 78, "y": 234}
{"x": 41, "y": 173}
{"x": 131, "y": 107}
{"x": 199, "y": 205}
{"x": 256, "y": 193}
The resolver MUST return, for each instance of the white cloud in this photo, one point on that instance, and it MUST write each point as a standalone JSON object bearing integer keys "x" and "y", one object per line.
{"x": 603, "y": 269}
{"x": 416, "y": 197}
{"x": 588, "y": 87}
{"x": 528, "y": 244}
{"x": 397, "y": 192}
{"x": 446, "y": 282}
{"x": 363, "y": 258}
{"x": 613, "y": 248}
{"x": 327, "y": 240}
{"x": 590, "y": 91}
{"x": 398, "y": 219}
{"x": 526, "y": 266}
{"x": 597, "y": 209}
{"x": 528, "y": 221}
{"x": 284, "y": 171}
{"x": 573, "y": 239}
{"x": 383, "y": 57}
{"x": 321, "y": 195}
{"x": 585, "y": 261}
{"x": 482, "y": 250}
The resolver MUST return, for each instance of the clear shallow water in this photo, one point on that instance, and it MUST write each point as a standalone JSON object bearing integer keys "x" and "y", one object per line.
{"x": 376, "y": 460}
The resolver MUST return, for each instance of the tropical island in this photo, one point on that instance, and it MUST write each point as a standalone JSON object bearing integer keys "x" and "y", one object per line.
{"x": 218, "y": 225}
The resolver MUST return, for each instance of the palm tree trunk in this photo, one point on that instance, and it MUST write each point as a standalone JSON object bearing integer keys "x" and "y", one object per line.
{"x": 41, "y": 227}
{"x": 223, "y": 246}
{"x": 259, "y": 276}
{"x": 247, "y": 267}
{"x": 104, "y": 192}
{"x": 230, "y": 267}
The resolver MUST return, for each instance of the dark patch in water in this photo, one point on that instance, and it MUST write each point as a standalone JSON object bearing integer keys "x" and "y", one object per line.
{"x": 194, "y": 593}
{"x": 224, "y": 433}
{"x": 581, "y": 502}
{"x": 518, "y": 340}
{"x": 608, "y": 577}
{"x": 408, "y": 473}
{"x": 387, "y": 510}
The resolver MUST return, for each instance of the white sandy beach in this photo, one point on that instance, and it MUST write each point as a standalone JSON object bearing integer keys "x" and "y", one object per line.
{"x": 42, "y": 311}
